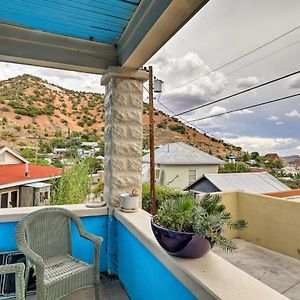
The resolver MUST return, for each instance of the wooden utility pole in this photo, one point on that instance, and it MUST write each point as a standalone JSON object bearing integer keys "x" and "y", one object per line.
{"x": 153, "y": 208}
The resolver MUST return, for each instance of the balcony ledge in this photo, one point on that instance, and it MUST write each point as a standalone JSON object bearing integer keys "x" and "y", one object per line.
{"x": 209, "y": 277}
{"x": 17, "y": 213}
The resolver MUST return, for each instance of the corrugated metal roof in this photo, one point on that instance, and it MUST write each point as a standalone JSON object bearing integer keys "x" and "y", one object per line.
{"x": 182, "y": 154}
{"x": 101, "y": 20}
{"x": 247, "y": 182}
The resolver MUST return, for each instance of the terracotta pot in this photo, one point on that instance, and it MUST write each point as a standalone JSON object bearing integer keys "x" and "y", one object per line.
{"x": 181, "y": 244}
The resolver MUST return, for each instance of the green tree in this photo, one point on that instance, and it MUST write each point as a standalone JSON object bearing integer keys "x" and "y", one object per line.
{"x": 254, "y": 155}
{"x": 73, "y": 185}
{"x": 239, "y": 167}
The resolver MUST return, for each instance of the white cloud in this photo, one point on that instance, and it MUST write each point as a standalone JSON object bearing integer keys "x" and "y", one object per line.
{"x": 294, "y": 82}
{"x": 247, "y": 82}
{"x": 273, "y": 118}
{"x": 265, "y": 145}
{"x": 244, "y": 112}
{"x": 217, "y": 110}
{"x": 67, "y": 79}
{"x": 177, "y": 71}
{"x": 293, "y": 114}
{"x": 279, "y": 123}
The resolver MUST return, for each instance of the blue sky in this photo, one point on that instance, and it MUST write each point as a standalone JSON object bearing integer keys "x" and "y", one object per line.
{"x": 221, "y": 32}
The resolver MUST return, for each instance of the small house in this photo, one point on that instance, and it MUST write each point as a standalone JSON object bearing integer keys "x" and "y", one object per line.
{"x": 22, "y": 183}
{"x": 258, "y": 183}
{"x": 179, "y": 164}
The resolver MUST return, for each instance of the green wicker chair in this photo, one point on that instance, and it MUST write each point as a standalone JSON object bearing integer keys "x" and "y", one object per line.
{"x": 18, "y": 269}
{"x": 44, "y": 237}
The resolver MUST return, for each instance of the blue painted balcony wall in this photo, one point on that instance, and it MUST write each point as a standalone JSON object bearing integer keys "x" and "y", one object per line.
{"x": 142, "y": 274}
{"x": 82, "y": 249}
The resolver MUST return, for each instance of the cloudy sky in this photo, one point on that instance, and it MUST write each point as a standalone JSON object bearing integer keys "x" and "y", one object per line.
{"x": 221, "y": 32}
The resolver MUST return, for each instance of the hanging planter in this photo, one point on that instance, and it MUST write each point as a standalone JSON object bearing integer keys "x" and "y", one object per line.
{"x": 189, "y": 228}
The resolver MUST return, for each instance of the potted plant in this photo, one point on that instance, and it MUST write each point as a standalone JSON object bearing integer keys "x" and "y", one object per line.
{"x": 188, "y": 227}
{"x": 130, "y": 202}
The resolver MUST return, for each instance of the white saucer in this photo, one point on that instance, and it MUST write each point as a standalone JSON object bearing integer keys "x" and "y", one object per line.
{"x": 129, "y": 210}
{"x": 95, "y": 204}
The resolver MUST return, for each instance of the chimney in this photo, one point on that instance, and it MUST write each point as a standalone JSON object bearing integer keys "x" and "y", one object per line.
{"x": 26, "y": 170}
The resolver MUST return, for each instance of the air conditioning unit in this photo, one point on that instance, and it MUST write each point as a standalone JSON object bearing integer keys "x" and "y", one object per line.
{"x": 7, "y": 281}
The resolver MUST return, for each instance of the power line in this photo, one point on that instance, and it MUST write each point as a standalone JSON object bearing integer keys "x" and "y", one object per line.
{"x": 186, "y": 121}
{"x": 238, "y": 93}
{"x": 234, "y": 60}
{"x": 263, "y": 57}
{"x": 246, "y": 107}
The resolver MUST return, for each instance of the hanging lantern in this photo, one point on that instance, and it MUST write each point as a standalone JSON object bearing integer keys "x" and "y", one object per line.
{"x": 157, "y": 85}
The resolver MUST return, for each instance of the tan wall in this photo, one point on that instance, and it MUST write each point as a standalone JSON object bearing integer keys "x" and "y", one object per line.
{"x": 229, "y": 199}
{"x": 273, "y": 223}
{"x": 170, "y": 172}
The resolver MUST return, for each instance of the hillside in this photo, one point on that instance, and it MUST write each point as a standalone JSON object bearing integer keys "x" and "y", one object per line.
{"x": 291, "y": 158}
{"x": 32, "y": 108}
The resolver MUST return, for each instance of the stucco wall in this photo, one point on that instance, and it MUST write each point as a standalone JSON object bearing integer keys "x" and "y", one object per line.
{"x": 273, "y": 223}
{"x": 171, "y": 171}
{"x": 229, "y": 199}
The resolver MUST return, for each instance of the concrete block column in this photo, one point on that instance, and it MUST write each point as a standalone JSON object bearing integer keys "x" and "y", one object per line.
{"x": 123, "y": 132}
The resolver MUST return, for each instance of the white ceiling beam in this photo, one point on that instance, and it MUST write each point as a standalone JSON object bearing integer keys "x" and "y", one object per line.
{"x": 152, "y": 25}
{"x": 32, "y": 47}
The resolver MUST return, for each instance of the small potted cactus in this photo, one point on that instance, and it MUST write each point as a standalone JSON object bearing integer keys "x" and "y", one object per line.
{"x": 130, "y": 202}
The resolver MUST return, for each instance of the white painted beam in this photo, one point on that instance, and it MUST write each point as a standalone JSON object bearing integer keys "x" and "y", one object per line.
{"x": 32, "y": 47}
{"x": 152, "y": 25}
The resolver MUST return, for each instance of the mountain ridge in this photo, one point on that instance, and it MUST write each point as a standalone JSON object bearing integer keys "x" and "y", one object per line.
{"x": 32, "y": 108}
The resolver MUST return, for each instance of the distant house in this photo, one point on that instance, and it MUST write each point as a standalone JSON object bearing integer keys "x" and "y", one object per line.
{"x": 22, "y": 183}
{"x": 272, "y": 157}
{"x": 179, "y": 164}
{"x": 258, "y": 183}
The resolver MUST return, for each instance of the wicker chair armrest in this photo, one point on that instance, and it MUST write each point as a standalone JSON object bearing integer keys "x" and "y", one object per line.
{"x": 17, "y": 268}
{"x": 33, "y": 257}
{"x": 97, "y": 240}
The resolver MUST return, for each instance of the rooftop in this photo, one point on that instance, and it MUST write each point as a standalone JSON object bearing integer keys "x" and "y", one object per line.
{"x": 15, "y": 173}
{"x": 248, "y": 182}
{"x": 182, "y": 154}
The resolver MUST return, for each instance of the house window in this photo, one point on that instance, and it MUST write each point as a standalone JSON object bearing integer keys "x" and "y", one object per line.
{"x": 4, "y": 200}
{"x": 192, "y": 176}
{"x": 157, "y": 173}
{"x": 9, "y": 199}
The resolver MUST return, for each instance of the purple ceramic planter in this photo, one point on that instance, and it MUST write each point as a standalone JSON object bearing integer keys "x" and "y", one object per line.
{"x": 181, "y": 244}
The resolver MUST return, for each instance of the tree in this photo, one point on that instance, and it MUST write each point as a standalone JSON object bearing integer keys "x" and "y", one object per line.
{"x": 297, "y": 179}
{"x": 235, "y": 168}
{"x": 254, "y": 155}
{"x": 73, "y": 185}
{"x": 246, "y": 157}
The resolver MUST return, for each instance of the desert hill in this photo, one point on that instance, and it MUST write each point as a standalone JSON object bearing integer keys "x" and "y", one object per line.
{"x": 31, "y": 108}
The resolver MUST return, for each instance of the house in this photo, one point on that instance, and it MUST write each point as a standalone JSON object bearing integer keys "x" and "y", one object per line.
{"x": 258, "y": 183}
{"x": 272, "y": 157}
{"x": 22, "y": 183}
{"x": 179, "y": 164}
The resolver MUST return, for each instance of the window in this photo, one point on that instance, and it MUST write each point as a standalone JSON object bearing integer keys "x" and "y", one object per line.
{"x": 157, "y": 173}
{"x": 14, "y": 198}
{"x": 192, "y": 176}
{"x": 10, "y": 199}
{"x": 4, "y": 200}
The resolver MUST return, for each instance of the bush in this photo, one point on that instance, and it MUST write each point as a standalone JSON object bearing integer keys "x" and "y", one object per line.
{"x": 162, "y": 194}
{"x": 73, "y": 185}
{"x": 179, "y": 128}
